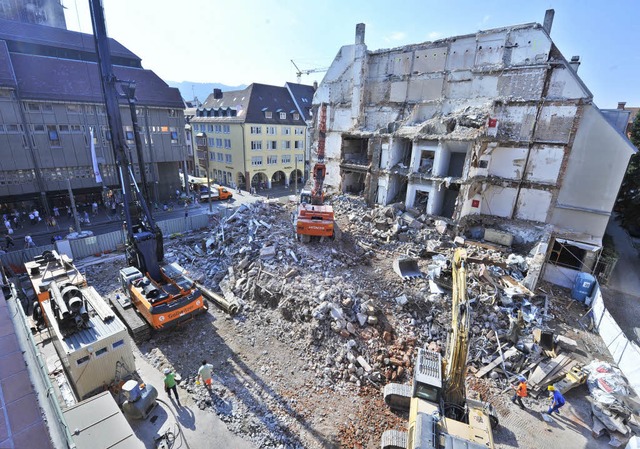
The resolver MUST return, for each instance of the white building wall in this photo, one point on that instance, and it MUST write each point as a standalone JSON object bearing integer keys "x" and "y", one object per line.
{"x": 544, "y": 164}
{"x": 498, "y": 201}
{"x": 598, "y": 159}
{"x": 507, "y": 162}
{"x": 533, "y": 204}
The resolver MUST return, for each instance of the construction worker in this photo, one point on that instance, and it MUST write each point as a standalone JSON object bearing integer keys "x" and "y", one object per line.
{"x": 170, "y": 384}
{"x": 521, "y": 392}
{"x": 204, "y": 373}
{"x": 557, "y": 400}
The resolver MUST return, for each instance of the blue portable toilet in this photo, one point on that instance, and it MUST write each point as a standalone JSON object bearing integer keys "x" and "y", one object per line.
{"x": 583, "y": 286}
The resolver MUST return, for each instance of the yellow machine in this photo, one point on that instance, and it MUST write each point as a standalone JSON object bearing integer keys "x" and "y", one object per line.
{"x": 442, "y": 414}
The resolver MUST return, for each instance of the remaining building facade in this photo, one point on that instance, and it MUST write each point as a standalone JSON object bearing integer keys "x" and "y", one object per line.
{"x": 39, "y": 12}
{"x": 495, "y": 123}
{"x": 51, "y": 100}
{"x": 255, "y": 137}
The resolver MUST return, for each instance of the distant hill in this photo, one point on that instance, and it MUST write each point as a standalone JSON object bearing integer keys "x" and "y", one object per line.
{"x": 189, "y": 89}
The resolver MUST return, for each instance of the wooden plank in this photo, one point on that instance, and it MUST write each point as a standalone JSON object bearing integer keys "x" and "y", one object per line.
{"x": 498, "y": 360}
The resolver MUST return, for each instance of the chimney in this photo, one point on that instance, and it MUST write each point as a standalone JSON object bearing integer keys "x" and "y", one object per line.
{"x": 575, "y": 63}
{"x": 548, "y": 20}
{"x": 217, "y": 94}
{"x": 622, "y": 104}
{"x": 360, "y": 33}
{"x": 315, "y": 86}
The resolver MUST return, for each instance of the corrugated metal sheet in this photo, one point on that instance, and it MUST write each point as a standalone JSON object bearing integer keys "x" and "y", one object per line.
{"x": 15, "y": 260}
{"x": 97, "y": 244}
{"x": 89, "y": 246}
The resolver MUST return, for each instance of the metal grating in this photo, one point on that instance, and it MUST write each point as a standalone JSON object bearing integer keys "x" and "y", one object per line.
{"x": 428, "y": 369}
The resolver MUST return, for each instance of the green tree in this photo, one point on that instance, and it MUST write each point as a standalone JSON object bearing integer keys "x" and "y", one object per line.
{"x": 635, "y": 131}
{"x": 633, "y": 170}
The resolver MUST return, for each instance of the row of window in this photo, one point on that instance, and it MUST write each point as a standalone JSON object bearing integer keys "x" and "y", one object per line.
{"x": 273, "y": 145}
{"x": 53, "y": 133}
{"x": 209, "y": 128}
{"x": 272, "y": 160}
{"x": 272, "y": 130}
{"x": 219, "y": 143}
{"x": 282, "y": 115}
{"x": 86, "y": 109}
{"x": 100, "y": 352}
{"x": 221, "y": 157}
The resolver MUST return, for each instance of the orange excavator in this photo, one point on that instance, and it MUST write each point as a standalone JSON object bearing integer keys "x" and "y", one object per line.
{"x": 314, "y": 219}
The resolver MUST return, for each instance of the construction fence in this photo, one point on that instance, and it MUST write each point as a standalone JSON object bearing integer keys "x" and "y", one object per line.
{"x": 99, "y": 244}
{"x": 625, "y": 352}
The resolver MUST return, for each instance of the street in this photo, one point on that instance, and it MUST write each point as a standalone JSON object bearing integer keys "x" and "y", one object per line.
{"x": 104, "y": 222}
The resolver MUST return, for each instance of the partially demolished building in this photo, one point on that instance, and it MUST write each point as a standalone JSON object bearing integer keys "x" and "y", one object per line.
{"x": 495, "y": 123}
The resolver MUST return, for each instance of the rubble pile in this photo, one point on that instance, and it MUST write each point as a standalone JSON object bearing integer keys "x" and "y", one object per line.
{"x": 344, "y": 313}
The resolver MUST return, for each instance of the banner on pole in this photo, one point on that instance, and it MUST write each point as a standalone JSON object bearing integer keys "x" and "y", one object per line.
{"x": 94, "y": 159}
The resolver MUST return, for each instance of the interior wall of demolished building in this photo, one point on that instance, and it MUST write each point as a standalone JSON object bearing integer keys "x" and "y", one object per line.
{"x": 494, "y": 124}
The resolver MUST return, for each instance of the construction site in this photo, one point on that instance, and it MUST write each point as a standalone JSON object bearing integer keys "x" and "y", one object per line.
{"x": 440, "y": 255}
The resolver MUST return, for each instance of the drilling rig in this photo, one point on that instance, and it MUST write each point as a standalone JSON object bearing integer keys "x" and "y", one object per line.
{"x": 160, "y": 293}
{"x": 442, "y": 414}
{"x": 314, "y": 219}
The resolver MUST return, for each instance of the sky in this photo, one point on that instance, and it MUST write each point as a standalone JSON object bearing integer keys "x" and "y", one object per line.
{"x": 245, "y": 41}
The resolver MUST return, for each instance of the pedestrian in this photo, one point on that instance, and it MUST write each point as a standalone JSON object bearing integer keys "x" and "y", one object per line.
{"x": 56, "y": 211}
{"x": 186, "y": 209}
{"x": 204, "y": 373}
{"x": 170, "y": 384}
{"x": 16, "y": 222}
{"x": 557, "y": 400}
{"x": 32, "y": 218}
{"x": 36, "y": 214}
{"x": 28, "y": 242}
{"x": 86, "y": 217}
{"x": 94, "y": 208}
{"x": 177, "y": 194}
{"x": 68, "y": 212}
{"x": 8, "y": 242}
{"x": 521, "y": 391}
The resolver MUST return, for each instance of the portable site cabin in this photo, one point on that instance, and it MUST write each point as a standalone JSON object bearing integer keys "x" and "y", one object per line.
{"x": 90, "y": 355}
{"x": 98, "y": 422}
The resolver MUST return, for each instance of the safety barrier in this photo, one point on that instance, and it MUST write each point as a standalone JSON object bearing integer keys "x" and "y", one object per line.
{"x": 103, "y": 243}
{"x": 625, "y": 353}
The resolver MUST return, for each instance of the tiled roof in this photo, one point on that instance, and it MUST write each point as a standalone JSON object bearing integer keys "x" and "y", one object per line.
{"x": 303, "y": 96}
{"x": 28, "y": 33}
{"x": 44, "y": 78}
{"x": 252, "y": 102}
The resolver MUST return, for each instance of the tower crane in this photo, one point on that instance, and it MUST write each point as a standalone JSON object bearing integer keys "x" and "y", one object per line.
{"x": 300, "y": 72}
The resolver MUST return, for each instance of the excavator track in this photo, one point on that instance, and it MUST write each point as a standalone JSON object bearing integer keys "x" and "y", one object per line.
{"x": 138, "y": 328}
{"x": 397, "y": 396}
{"x": 393, "y": 439}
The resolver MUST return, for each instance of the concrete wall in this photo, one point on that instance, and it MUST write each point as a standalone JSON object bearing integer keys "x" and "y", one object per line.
{"x": 598, "y": 159}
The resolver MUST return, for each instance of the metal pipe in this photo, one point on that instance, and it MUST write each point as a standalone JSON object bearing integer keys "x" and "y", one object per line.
{"x": 231, "y": 307}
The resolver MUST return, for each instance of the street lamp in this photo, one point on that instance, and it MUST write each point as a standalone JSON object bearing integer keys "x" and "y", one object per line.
{"x": 203, "y": 144}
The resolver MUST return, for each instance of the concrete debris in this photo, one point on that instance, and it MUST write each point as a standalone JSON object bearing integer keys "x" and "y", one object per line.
{"x": 342, "y": 308}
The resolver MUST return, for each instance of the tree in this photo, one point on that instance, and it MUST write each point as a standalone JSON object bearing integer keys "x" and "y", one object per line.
{"x": 635, "y": 131}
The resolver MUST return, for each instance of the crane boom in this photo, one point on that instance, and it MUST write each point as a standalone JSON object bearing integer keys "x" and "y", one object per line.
{"x": 144, "y": 238}
{"x": 458, "y": 347}
{"x": 320, "y": 169}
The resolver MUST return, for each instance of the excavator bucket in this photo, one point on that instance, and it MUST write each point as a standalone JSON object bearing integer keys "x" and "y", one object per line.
{"x": 407, "y": 268}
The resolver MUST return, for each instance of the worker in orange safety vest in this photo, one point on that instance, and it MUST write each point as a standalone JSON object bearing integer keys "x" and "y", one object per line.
{"x": 521, "y": 392}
